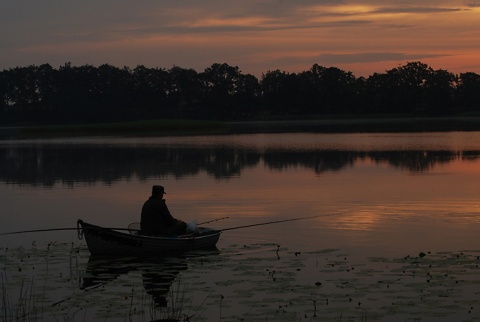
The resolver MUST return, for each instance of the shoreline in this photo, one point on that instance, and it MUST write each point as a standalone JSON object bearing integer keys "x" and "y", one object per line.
{"x": 194, "y": 127}
{"x": 362, "y": 125}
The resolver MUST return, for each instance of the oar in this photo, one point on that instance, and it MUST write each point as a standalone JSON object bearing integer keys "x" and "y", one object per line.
{"x": 270, "y": 222}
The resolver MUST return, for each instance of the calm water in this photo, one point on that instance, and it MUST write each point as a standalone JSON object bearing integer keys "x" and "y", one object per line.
{"x": 376, "y": 195}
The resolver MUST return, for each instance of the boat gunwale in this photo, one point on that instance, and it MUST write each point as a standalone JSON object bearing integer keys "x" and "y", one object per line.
{"x": 209, "y": 232}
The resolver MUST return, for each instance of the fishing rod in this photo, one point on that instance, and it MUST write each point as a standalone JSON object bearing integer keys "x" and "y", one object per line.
{"x": 56, "y": 229}
{"x": 127, "y": 229}
{"x": 269, "y": 222}
{"x": 213, "y": 220}
{"x": 76, "y": 228}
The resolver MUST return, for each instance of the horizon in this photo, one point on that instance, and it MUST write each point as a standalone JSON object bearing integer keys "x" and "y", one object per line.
{"x": 239, "y": 68}
{"x": 358, "y": 36}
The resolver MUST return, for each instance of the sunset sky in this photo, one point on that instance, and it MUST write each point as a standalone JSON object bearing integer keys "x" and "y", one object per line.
{"x": 257, "y": 36}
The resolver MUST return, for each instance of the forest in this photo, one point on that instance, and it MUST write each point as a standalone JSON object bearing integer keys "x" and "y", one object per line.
{"x": 43, "y": 95}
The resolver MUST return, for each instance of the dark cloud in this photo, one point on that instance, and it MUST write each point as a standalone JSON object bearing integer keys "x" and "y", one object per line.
{"x": 231, "y": 28}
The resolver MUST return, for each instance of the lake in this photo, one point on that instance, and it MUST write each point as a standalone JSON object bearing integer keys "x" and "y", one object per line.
{"x": 396, "y": 232}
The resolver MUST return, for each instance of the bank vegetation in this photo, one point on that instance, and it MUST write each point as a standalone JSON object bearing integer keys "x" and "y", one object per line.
{"x": 43, "y": 95}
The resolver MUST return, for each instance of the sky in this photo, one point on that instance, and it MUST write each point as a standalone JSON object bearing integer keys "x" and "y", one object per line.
{"x": 359, "y": 36}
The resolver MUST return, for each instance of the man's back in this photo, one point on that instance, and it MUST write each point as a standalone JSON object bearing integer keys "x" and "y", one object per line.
{"x": 156, "y": 217}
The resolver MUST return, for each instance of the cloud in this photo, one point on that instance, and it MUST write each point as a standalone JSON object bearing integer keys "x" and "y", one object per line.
{"x": 373, "y": 57}
{"x": 330, "y": 59}
{"x": 415, "y": 10}
{"x": 266, "y": 34}
{"x": 229, "y": 26}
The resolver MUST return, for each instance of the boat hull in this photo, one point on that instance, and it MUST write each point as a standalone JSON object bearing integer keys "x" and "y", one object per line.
{"x": 105, "y": 241}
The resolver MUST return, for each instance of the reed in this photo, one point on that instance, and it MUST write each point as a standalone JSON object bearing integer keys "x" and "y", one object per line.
{"x": 22, "y": 306}
{"x": 34, "y": 286}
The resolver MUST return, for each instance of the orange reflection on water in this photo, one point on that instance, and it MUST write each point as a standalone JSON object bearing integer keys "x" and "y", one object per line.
{"x": 368, "y": 198}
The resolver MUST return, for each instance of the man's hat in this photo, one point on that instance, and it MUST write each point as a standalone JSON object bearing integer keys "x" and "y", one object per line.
{"x": 158, "y": 189}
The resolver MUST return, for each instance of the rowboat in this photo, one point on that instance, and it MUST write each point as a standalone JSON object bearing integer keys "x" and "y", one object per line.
{"x": 112, "y": 241}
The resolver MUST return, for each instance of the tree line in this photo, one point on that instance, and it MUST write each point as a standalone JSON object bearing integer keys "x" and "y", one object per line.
{"x": 88, "y": 94}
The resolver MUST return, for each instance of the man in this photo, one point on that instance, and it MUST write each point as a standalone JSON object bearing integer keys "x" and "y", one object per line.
{"x": 156, "y": 218}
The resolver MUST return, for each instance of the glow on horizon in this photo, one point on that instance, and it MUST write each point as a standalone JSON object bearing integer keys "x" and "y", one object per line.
{"x": 357, "y": 36}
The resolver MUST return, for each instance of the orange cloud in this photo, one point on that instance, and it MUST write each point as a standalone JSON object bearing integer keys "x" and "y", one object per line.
{"x": 360, "y": 37}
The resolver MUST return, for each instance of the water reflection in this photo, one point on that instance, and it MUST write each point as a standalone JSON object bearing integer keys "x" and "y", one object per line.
{"x": 48, "y": 164}
{"x": 158, "y": 274}
{"x": 399, "y": 190}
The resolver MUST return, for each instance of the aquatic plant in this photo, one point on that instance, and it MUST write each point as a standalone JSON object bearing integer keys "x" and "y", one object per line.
{"x": 56, "y": 283}
{"x": 243, "y": 282}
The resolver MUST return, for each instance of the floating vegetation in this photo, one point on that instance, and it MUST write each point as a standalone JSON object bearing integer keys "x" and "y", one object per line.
{"x": 240, "y": 283}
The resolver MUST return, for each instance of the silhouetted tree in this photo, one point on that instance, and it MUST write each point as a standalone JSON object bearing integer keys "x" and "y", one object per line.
{"x": 222, "y": 84}
{"x": 151, "y": 87}
{"x": 337, "y": 89}
{"x": 5, "y": 112}
{"x": 468, "y": 92}
{"x": 246, "y": 96}
{"x": 113, "y": 93}
{"x": 376, "y": 94}
{"x": 405, "y": 87}
{"x": 69, "y": 94}
{"x": 47, "y": 87}
{"x": 77, "y": 93}
{"x": 411, "y": 89}
{"x": 438, "y": 93}
{"x": 185, "y": 92}
{"x": 280, "y": 91}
